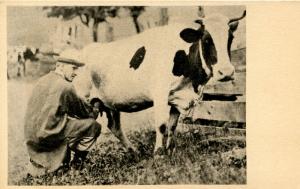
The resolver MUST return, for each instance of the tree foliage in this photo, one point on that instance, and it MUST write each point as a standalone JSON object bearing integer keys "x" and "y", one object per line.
{"x": 96, "y": 13}
{"x": 86, "y": 14}
{"x": 135, "y": 12}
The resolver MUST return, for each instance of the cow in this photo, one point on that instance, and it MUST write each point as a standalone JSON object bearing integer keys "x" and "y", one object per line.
{"x": 165, "y": 68}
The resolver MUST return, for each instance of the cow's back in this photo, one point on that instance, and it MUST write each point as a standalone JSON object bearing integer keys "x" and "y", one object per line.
{"x": 121, "y": 84}
{"x": 160, "y": 44}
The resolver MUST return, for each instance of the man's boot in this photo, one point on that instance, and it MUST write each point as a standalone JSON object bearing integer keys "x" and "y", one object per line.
{"x": 78, "y": 160}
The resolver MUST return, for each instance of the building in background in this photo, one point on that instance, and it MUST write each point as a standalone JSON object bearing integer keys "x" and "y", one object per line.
{"x": 69, "y": 33}
{"x": 74, "y": 33}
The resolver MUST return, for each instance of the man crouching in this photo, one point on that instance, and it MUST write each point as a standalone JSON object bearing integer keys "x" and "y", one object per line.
{"x": 58, "y": 121}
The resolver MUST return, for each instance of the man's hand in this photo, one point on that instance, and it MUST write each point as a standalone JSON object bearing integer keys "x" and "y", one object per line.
{"x": 96, "y": 110}
{"x": 97, "y": 107}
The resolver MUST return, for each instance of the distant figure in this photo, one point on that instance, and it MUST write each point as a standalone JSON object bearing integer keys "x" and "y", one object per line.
{"x": 20, "y": 66}
{"x": 57, "y": 121}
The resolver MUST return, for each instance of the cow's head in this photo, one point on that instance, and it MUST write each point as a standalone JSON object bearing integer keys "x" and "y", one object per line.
{"x": 213, "y": 39}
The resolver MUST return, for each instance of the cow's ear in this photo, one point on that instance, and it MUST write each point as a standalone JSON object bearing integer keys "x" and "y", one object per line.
{"x": 190, "y": 35}
{"x": 180, "y": 63}
{"x": 233, "y": 26}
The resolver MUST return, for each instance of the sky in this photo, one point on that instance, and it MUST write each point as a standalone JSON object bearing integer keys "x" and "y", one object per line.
{"x": 30, "y": 25}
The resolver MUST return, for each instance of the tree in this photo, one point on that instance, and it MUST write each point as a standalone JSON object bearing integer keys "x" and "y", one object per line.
{"x": 135, "y": 12}
{"x": 86, "y": 13}
{"x": 164, "y": 18}
{"x": 201, "y": 12}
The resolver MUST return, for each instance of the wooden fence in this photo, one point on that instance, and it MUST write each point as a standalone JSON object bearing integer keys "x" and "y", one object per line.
{"x": 223, "y": 108}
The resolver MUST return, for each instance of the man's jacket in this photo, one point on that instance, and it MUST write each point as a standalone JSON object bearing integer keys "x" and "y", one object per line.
{"x": 52, "y": 103}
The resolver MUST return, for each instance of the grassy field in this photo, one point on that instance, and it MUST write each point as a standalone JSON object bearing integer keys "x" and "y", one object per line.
{"x": 198, "y": 158}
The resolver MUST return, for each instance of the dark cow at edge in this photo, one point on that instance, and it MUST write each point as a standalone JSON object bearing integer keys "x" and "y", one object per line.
{"x": 164, "y": 67}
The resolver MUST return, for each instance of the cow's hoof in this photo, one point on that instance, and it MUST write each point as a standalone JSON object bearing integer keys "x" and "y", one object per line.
{"x": 170, "y": 151}
{"x": 134, "y": 153}
{"x": 160, "y": 154}
{"x": 161, "y": 151}
{"x": 132, "y": 149}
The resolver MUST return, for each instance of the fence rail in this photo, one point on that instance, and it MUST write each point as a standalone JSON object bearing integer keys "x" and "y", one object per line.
{"x": 224, "y": 103}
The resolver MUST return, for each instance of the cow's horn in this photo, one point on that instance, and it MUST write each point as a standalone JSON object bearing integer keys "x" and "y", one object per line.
{"x": 236, "y": 19}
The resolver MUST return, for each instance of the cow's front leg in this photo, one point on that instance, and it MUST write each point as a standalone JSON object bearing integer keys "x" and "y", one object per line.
{"x": 161, "y": 118}
{"x": 115, "y": 126}
{"x": 171, "y": 126}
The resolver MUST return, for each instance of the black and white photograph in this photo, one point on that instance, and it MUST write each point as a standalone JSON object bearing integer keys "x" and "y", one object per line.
{"x": 126, "y": 95}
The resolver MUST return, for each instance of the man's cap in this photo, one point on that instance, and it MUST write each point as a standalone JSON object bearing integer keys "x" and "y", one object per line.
{"x": 47, "y": 49}
{"x": 71, "y": 56}
{"x": 70, "y": 61}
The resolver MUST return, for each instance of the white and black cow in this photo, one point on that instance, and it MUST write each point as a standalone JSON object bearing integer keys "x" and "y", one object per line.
{"x": 165, "y": 67}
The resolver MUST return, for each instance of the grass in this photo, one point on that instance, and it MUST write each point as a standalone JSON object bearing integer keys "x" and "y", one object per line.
{"x": 198, "y": 158}
{"x": 193, "y": 162}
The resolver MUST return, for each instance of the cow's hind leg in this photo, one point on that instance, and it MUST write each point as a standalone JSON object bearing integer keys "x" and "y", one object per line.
{"x": 171, "y": 126}
{"x": 115, "y": 126}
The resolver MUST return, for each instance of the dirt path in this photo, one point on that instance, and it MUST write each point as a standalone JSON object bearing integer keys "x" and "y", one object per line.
{"x": 18, "y": 93}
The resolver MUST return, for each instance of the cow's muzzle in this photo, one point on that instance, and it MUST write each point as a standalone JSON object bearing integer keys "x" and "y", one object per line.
{"x": 224, "y": 73}
{"x": 227, "y": 78}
